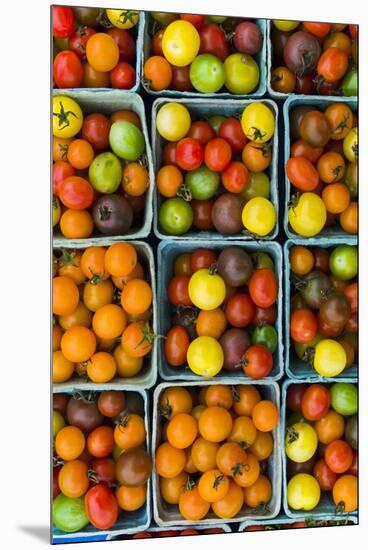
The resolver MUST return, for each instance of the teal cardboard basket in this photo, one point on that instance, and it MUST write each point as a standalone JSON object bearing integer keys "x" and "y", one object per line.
{"x": 167, "y": 515}
{"x": 107, "y": 103}
{"x": 260, "y": 57}
{"x": 326, "y": 507}
{"x": 146, "y": 378}
{"x": 320, "y": 102}
{"x": 203, "y": 109}
{"x": 283, "y": 522}
{"x": 138, "y": 66}
{"x": 129, "y": 522}
{"x": 167, "y": 253}
{"x": 295, "y": 367}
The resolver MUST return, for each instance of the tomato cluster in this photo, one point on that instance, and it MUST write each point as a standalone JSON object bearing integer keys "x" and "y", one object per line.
{"x": 324, "y": 307}
{"x": 214, "y": 449}
{"x": 193, "y": 53}
{"x": 102, "y": 314}
{"x": 101, "y": 466}
{"x": 163, "y": 533}
{"x": 224, "y": 308}
{"x": 99, "y": 175}
{"x": 94, "y": 47}
{"x": 314, "y": 58}
{"x": 213, "y": 171}
{"x": 323, "y": 169}
{"x": 309, "y": 522}
{"x": 321, "y": 442}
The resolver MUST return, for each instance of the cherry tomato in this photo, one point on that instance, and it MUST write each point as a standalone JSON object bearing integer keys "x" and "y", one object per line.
{"x": 202, "y": 258}
{"x": 76, "y": 193}
{"x": 202, "y": 214}
{"x": 60, "y": 171}
{"x": 351, "y": 292}
{"x": 315, "y": 402}
{"x": 196, "y": 20}
{"x": 213, "y": 40}
{"x": 96, "y": 129}
{"x": 302, "y": 174}
{"x": 232, "y": 132}
{"x": 332, "y": 64}
{"x": 101, "y": 506}
{"x": 263, "y": 287}
{"x": 202, "y": 131}
{"x": 257, "y": 361}
{"x": 178, "y": 290}
{"x": 303, "y": 326}
{"x": 217, "y": 154}
{"x": 176, "y": 344}
{"x": 318, "y": 29}
{"x": 189, "y": 153}
{"x": 180, "y": 80}
{"x": 265, "y": 315}
{"x": 67, "y": 70}
{"x": 62, "y": 21}
{"x": 339, "y": 456}
{"x": 235, "y": 177}
{"x": 125, "y": 42}
{"x": 240, "y": 310}
{"x": 122, "y": 76}
{"x": 324, "y": 475}
{"x": 79, "y": 39}
{"x": 301, "y": 149}
{"x": 294, "y": 396}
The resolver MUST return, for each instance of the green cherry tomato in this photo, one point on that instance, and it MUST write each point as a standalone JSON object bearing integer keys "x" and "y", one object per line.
{"x": 350, "y": 83}
{"x": 305, "y": 351}
{"x": 207, "y": 73}
{"x": 344, "y": 262}
{"x": 261, "y": 260}
{"x": 217, "y": 18}
{"x": 344, "y": 398}
{"x": 126, "y": 140}
{"x": 351, "y": 178}
{"x": 202, "y": 182}
{"x": 258, "y": 186}
{"x": 58, "y": 422}
{"x": 69, "y": 514}
{"x": 301, "y": 442}
{"x": 216, "y": 121}
{"x": 303, "y": 492}
{"x": 241, "y": 73}
{"x": 265, "y": 335}
{"x": 105, "y": 173}
{"x": 175, "y": 216}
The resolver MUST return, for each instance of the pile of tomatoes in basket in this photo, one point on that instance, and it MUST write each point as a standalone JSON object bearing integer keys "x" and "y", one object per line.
{"x": 314, "y": 58}
{"x": 94, "y": 47}
{"x": 205, "y": 54}
{"x": 323, "y": 169}
{"x": 216, "y": 297}
{"x": 215, "y": 444}
{"x": 102, "y": 312}
{"x": 99, "y": 174}
{"x": 321, "y": 442}
{"x": 212, "y": 174}
{"x": 162, "y": 533}
{"x": 101, "y": 466}
{"x": 324, "y": 307}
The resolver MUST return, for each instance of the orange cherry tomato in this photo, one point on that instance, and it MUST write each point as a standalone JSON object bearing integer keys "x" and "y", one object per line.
{"x": 283, "y": 80}
{"x": 257, "y": 156}
{"x": 101, "y": 367}
{"x": 80, "y": 154}
{"x": 100, "y": 442}
{"x": 136, "y": 296}
{"x": 333, "y": 64}
{"x": 191, "y": 505}
{"x": 259, "y": 493}
{"x": 331, "y": 167}
{"x": 245, "y": 399}
{"x": 157, "y": 73}
{"x": 120, "y": 259}
{"x": 336, "y": 197}
{"x": 211, "y": 323}
{"x": 69, "y": 443}
{"x": 302, "y": 173}
{"x": 76, "y": 224}
{"x": 169, "y": 180}
{"x": 301, "y": 260}
{"x": 318, "y": 29}
{"x": 102, "y": 52}
{"x": 65, "y": 295}
{"x": 135, "y": 179}
{"x": 301, "y": 148}
{"x": 265, "y": 416}
{"x": 349, "y": 218}
{"x": 137, "y": 339}
{"x": 345, "y": 493}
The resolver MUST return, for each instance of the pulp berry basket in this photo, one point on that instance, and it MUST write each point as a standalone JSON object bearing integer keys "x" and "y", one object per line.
{"x": 166, "y": 515}
{"x": 146, "y": 378}
{"x": 167, "y": 253}
{"x": 138, "y": 31}
{"x": 320, "y": 102}
{"x": 261, "y": 58}
{"x": 283, "y": 522}
{"x": 107, "y": 103}
{"x": 129, "y": 522}
{"x": 295, "y": 367}
{"x": 203, "y": 109}
{"x": 326, "y": 509}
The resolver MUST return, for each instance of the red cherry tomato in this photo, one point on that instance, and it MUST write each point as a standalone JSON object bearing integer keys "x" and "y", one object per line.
{"x": 76, "y": 193}
{"x": 176, "y": 345}
{"x": 103, "y": 470}
{"x": 302, "y": 174}
{"x": 62, "y": 21}
{"x": 202, "y": 214}
{"x": 266, "y": 315}
{"x": 353, "y": 470}
{"x": 178, "y": 290}
{"x": 235, "y": 177}
{"x": 122, "y": 76}
{"x": 196, "y": 20}
{"x": 213, "y": 40}
{"x": 232, "y": 132}
{"x": 351, "y": 292}
{"x": 202, "y": 258}
{"x": 324, "y": 475}
{"x": 169, "y": 154}
{"x": 55, "y": 481}
{"x": 60, "y": 171}
{"x": 332, "y": 64}
{"x": 301, "y": 148}
{"x": 318, "y": 29}
{"x": 294, "y": 396}
{"x": 257, "y": 362}
{"x": 240, "y": 310}
{"x": 180, "y": 78}
{"x": 125, "y": 42}
{"x": 303, "y": 326}
{"x": 263, "y": 287}
{"x": 95, "y": 129}
{"x": 189, "y": 153}
{"x": 217, "y": 154}
{"x": 353, "y": 31}
{"x": 79, "y": 39}
{"x": 67, "y": 70}
{"x": 101, "y": 506}
{"x": 339, "y": 456}
{"x": 315, "y": 402}
{"x": 202, "y": 131}
{"x": 326, "y": 330}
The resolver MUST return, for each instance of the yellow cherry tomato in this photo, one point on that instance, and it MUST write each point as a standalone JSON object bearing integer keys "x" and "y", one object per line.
{"x": 303, "y": 492}
{"x": 301, "y": 442}
{"x": 205, "y": 356}
{"x": 308, "y": 216}
{"x": 123, "y": 19}
{"x": 56, "y": 211}
{"x": 258, "y": 122}
{"x": 67, "y": 116}
{"x": 259, "y": 216}
{"x": 173, "y": 121}
{"x": 284, "y": 25}
{"x": 350, "y": 145}
{"x": 207, "y": 290}
{"x": 180, "y": 43}
{"x": 329, "y": 358}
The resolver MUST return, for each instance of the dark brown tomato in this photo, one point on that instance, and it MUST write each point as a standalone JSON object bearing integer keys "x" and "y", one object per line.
{"x": 315, "y": 129}
{"x": 304, "y": 84}
{"x": 278, "y": 40}
{"x": 133, "y": 468}
{"x": 296, "y": 116}
{"x": 294, "y": 468}
{"x": 301, "y": 52}
{"x": 227, "y": 214}
{"x": 324, "y": 87}
{"x": 297, "y": 302}
{"x": 235, "y": 266}
{"x": 321, "y": 259}
{"x": 169, "y": 153}
{"x": 327, "y": 330}
{"x": 83, "y": 414}
{"x": 294, "y": 396}
{"x": 265, "y": 315}
{"x": 186, "y": 317}
{"x": 111, "y": 403}
{"x": 202, "y": 214}
{"x": 234, "y": 342}
{"x": 60, "y": 402}
{"x": 335, "y": 310}
{"x": 180, "y": 79}
{"x": 352, "y": 323}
